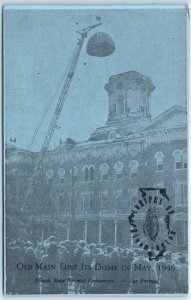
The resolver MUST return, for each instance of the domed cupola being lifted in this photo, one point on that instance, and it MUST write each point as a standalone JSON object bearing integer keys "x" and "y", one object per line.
{"x": 129, "y": 98}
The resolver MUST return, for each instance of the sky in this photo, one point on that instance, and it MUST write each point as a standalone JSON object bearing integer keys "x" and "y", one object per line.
{"x": 38, "y": 42}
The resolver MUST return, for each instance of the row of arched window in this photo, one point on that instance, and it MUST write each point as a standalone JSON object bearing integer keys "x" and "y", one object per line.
{"x": 104, "y": 170}
{"x": 89, "y": 171}
{"x": 180, "y": 159}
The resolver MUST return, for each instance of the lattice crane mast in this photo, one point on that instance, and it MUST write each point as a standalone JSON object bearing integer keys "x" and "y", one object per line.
{"x": 53, "y": 124}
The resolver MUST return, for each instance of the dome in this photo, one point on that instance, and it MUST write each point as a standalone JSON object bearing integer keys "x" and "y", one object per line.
{"x": 100, "y": 44}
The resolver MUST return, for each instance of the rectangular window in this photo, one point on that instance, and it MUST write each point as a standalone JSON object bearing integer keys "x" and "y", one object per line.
{"x": 119, "y": 175}
{"x": 159, "y": 167}
{"x": 86, "y": 174}
{"x": 115, "y": 109}
{"x": 104, "y": 177}
{"x": 158, "y": 185}
{"x": 186, "y": 232}
{"x": 133, "y": 197}
{"x": 80, "y": 204}
{"x": 134, "y": 174}
{"x": 185, "y": 193}
{"x": 61, "y": 202}
{"x": 62, "y": 180}
{"x": 105, "y": 205}
{"x": 125, "y": 193}
{"x": 178, "y": 165}
{"x": 185, "y": 165}
{"x": 86, "y": 202}
{"x": 126, "y": 106}
{"x": 181, "y": 194}
{"x": 119, "y": 201}
{"x": 180, "y": 232}
{"x": 178, "y": 194}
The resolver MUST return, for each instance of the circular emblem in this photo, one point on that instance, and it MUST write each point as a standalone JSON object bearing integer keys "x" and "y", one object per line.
{"x": 150, "y": 222}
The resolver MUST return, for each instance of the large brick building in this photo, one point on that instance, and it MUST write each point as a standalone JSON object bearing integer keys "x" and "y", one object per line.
{"x": 95, "y": 184}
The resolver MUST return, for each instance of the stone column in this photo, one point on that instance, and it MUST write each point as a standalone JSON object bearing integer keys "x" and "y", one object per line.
{"x": 115, "y": 232}
{"x": 68, "y": 232}
{"x": 131, "y": 241}
{"x": 85, "y": 230}
{"x": 100, "y": 226}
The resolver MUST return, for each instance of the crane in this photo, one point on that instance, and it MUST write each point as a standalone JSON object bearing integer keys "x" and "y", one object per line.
{"x": 63, "y": 94}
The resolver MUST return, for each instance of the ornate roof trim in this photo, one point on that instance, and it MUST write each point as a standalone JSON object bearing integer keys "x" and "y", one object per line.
{"x": 163, "y": 115}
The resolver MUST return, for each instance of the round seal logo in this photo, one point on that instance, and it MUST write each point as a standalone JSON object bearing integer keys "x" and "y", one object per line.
{"x": 150, "y": 222}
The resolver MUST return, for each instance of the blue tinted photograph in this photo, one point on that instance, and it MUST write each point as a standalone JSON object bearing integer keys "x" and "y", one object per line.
{"x": 95, "y": 149}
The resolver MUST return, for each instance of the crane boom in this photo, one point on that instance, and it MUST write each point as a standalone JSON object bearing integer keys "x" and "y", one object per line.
{"x": 72, "y": 66}
{"x": 62, "y": 97}
{"x": 66, "y": 86}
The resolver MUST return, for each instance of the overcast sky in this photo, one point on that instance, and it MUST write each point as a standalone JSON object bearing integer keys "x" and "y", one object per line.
{"x": 37, "y": 47}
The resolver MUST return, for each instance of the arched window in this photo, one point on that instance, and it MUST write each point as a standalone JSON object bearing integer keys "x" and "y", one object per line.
{"x": 49, "y": 174}
{"x": 178, "y": 159}
{"x": 159, "y": 158}
{"x": 184, "y": 158}
{"x": 92, "y": 169}
{"x": 86, "y": 173}
{"x": 133, "y": 166}
{"x": 74, "y": 172}
{"x": 89, "y": 172}
{"x": 118, "y": 169}
{"x": 104, "y": 168}
{"x": 61, "y": 174}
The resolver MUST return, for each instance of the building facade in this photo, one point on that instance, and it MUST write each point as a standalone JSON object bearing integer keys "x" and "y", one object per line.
{"x": 94, "y": 185}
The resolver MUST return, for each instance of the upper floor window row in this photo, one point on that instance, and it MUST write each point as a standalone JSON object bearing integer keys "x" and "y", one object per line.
{"x": 119, "y": 168}
{"x": 89, "y": 171}
{"x": 180, "y": 158}
{"x": 61, "y": 174}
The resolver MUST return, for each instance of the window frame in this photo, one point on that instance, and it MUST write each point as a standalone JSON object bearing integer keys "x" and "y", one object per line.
{"x": 159, "y": 156}
{"x": 133, "y": 174}
{"x": 118, "y": 170}
{"x": 178, "y": 163}
{"x": 104, "y": 172}
{"x": 61, "y": 175}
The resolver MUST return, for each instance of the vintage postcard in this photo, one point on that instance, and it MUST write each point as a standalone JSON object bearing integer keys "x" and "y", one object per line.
{"x": 95, "y": 149}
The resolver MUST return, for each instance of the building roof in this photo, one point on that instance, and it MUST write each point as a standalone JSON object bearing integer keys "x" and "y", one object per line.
{"x": 12, "y": 146}
{"x": 165, "y": 115}
{"x": 133, "y": 75}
